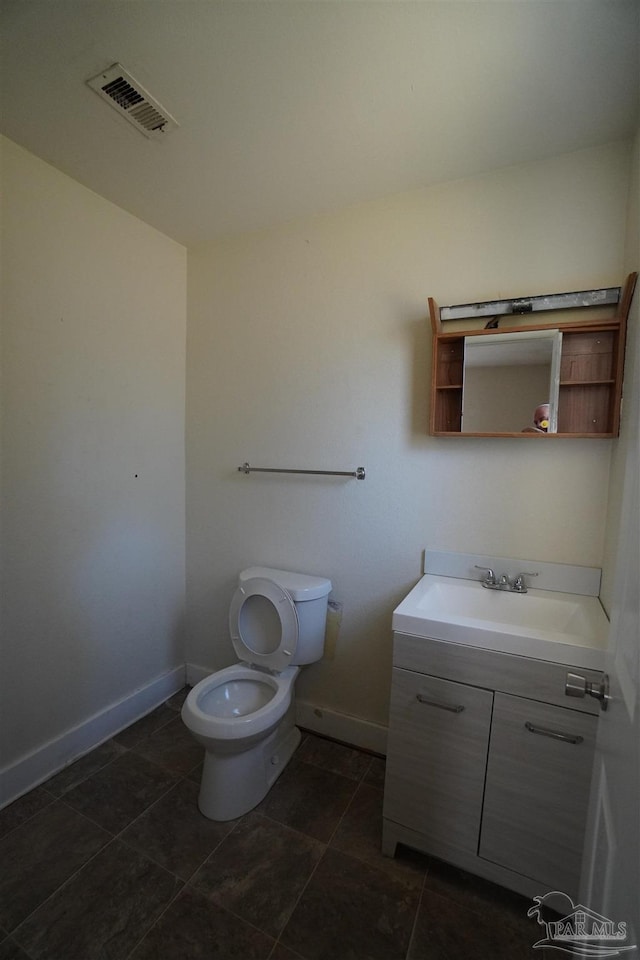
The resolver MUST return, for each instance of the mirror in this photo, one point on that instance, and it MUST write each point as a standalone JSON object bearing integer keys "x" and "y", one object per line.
{"x": 506, "y": 377}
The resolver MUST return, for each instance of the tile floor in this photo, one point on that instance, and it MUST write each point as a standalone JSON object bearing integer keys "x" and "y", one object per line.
{"x": 111, "y": 860}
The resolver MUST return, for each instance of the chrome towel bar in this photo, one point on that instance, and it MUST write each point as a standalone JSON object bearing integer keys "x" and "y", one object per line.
{"x": 358, "y": 473}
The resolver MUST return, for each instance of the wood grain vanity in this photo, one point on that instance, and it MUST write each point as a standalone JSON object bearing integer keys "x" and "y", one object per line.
{"x": 488, "y": 763}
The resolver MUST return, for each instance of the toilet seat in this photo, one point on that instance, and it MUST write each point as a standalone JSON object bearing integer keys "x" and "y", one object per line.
{"x": 267, "y": 638}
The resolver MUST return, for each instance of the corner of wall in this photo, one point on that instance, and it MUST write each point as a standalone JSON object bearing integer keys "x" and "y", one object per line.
{"x": 631, "y": 388}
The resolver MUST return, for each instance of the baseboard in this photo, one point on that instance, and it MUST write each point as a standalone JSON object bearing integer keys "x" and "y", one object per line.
{"x": 194, "y": 673}
{"x": 340, "y": 726}
{"x": 37, "y": 766}
{"x": 327, "y": 723}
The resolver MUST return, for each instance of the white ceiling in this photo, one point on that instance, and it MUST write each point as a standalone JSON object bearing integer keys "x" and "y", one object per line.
{"x": 294, "y": 108}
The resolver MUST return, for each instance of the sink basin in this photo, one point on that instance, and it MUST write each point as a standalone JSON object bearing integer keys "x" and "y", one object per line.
{"x": 543, "y": 624}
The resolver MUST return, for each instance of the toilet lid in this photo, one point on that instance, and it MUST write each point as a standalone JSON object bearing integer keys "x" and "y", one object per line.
{"x": 264, "y": 624}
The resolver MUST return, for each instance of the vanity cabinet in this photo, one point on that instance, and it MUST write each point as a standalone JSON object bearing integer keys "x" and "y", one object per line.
{"x": 488, "y": 764}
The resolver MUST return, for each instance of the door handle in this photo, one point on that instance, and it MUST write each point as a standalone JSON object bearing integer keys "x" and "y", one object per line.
{"x": 577, "y": 686}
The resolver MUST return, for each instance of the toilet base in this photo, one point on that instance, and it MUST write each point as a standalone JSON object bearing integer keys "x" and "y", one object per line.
{"x": 233, "y": 784}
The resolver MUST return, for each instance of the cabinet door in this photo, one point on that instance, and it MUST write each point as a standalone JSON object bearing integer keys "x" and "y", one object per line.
{"x": 436, "y": 757}
{"x": 538, "y": 779}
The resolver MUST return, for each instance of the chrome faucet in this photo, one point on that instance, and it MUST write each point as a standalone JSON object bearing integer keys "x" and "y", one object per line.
{"x": 519, "y": 585}
{"x": 490, "y": 579}
{"x": 504, "y": 581}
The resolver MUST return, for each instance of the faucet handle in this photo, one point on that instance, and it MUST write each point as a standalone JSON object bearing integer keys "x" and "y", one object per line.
{"x": 518, "y": 581}
{"x": 490, "y": 578}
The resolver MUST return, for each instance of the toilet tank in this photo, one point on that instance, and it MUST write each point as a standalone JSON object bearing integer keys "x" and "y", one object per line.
{"x": 310, "y": 595}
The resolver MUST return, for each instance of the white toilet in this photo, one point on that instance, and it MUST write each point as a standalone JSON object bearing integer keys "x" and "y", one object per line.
{"x": 244, "y": 715}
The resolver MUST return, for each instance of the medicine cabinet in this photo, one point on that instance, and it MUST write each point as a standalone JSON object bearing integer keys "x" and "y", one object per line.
{"x": 487, "y": 382}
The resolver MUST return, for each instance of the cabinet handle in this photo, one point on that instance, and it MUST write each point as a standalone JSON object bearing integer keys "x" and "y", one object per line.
{"x": 453, "y": 708}
{"x": 555, "y": 734}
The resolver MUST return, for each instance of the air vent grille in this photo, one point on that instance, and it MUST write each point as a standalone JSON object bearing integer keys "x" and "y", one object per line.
{"x": 132, "y": 101}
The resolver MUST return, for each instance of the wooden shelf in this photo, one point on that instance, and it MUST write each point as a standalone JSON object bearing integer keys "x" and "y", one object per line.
{"x": 591, "y": 372}
{"x": 583, "y": 383}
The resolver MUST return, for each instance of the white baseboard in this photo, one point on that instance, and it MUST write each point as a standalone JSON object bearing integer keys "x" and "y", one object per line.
{"x": 194, "y": 673}
{"x": 328, "y": 723}
{"x": 339, "y": 726}
{"x": 37, "y": 766}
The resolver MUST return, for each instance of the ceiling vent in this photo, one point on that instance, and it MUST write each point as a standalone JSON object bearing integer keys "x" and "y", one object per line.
{"x": 132, "y": 101}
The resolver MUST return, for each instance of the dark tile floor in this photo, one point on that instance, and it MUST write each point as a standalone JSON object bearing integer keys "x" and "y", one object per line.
{"x": 111, "y": 860}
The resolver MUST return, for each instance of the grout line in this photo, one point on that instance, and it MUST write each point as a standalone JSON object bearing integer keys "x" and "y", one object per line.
{"x": 147, "y": 736}
{"x": 155, "y": 923}
{"x": 11, "y": 940}
{"x": 210, "y": 854}
{"x": 286, "y": 826}
{"x": 199, "y": 893}
{"x": 137, "y": 817}
{"x": 415, "y": 919}
{"x": 236, "y": 916}
{"x": 147, "y": 809}
{"x": 343, "y": 815}
{"x": 93, "y": 773}
{"x": 294, "y": 953}
{"x": 28, "y": 819}
{"x": 301, "y": 894}
{"x": 63, "y": 884}
{"x": 95, "y": 823}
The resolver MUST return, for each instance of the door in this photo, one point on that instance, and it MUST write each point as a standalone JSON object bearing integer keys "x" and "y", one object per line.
{"x": 611, "y": 865}
{"x": 537, "y": 790}
{"x": 436, "y": 758}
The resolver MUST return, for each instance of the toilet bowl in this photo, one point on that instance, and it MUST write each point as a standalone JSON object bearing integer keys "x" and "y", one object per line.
{"x": 234, "y": 707}
{"x": 244, "y": 715}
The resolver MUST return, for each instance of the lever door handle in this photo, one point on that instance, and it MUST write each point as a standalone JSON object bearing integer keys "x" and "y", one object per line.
{"x": 578, "y": 686}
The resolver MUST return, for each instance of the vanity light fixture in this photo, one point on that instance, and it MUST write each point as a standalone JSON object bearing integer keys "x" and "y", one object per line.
{"x": 549, "y": 301}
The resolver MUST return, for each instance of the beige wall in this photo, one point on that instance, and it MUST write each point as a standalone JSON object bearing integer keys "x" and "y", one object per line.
{"x": 94, "y": 316}
{"x": 309, "y": 346}
{"x": 628, "y": 421}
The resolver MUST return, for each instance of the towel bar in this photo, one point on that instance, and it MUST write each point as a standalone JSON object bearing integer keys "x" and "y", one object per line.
{"x": 359, "y": 473}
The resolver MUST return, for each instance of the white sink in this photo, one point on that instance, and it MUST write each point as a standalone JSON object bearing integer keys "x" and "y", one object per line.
{"x": 543, "y": 624}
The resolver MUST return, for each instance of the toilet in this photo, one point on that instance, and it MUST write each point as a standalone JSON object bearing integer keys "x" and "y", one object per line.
{"x": 244, "y": 715}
